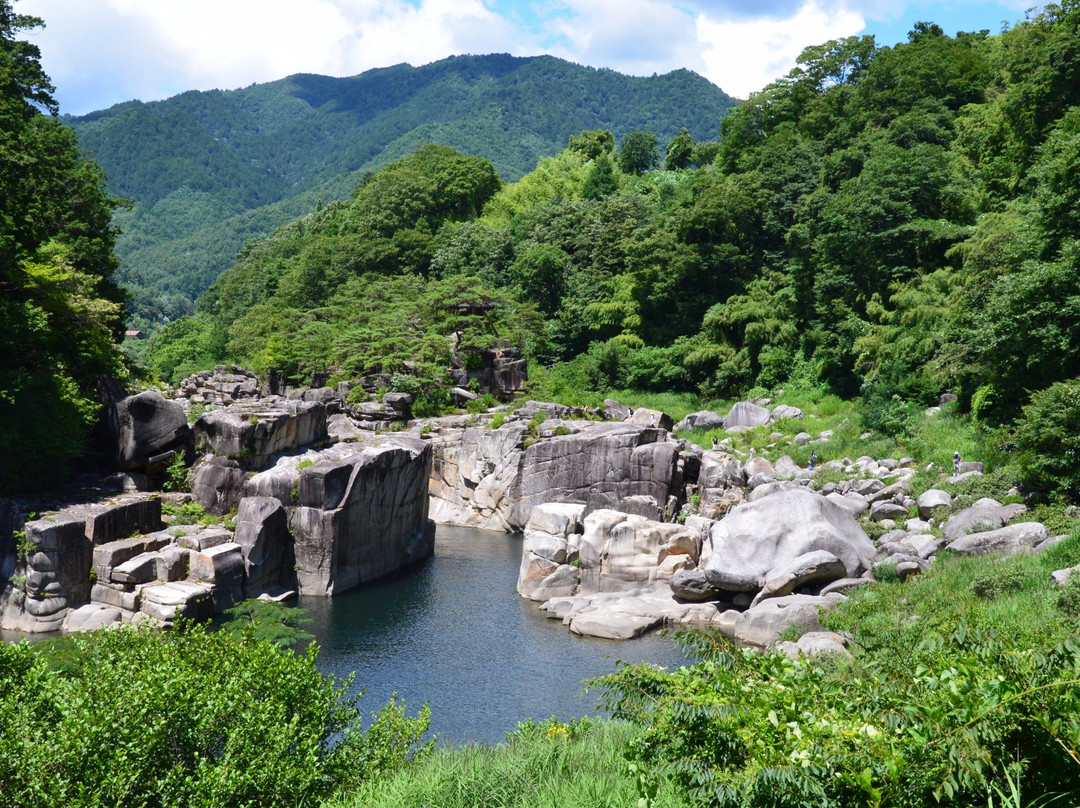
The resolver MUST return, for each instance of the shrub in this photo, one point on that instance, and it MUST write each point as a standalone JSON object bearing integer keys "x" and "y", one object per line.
{"x": 176, "y": 475}
{"x": 498, "y": 420}
{"x": 194, "y": 718}
{"x": 1048, "y": 439}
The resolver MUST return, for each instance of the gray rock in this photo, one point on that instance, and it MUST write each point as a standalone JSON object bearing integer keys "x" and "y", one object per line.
{"x": 934, "y": 503}
{"x": 143, "y": 426}
{"x": 652, "y": 418}
{"x": 1009, "y": 539}
{"x": 761, "y": 536}
{"x": 92, "y": 617}
{"x": 216, "y": 483}
{"x": 746, "y": 414}
{"x": 763, "y": 624}
{"x": 615, "y": 410}
{"x": 262, "y": 532}
{"x": 786, "y": 411}
{"x": 222, "y": 566}
{"x": 815, "y": 643}
{"x": 983, "y": 514}
{"x": 880, "y": 511}
{"x": 363, "y": 516}
{"x": 815, "y": 568}
{"x": 252, "y": 433}
{"x": 620, "y": 460}
{"x": 703, "y": 419}
{"x": 165, "y": 602}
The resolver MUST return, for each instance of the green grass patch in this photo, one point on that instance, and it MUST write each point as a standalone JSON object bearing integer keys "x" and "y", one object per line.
{"x": 545, "y": 764}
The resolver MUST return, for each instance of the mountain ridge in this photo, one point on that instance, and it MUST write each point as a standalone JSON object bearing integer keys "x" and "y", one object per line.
{"x": 207, "y": 171}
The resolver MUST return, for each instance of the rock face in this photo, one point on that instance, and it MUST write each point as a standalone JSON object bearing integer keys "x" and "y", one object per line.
{"x": 262, "y": 533}
{"x": 746, "y": 414}
{"x": 362, "y": 516}
{"x": 252, "y": 434}
{"x": 702, "y": 419}
{"x": 487, "y": 478}
{"x": 472, "y": 473}
{"x": 143, "y": 432}
{"x": 600, "y": 466}
{"x": 53, "y": 574}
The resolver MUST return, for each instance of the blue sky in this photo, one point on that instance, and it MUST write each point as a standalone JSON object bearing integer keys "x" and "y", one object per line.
{"x": 108, "y": 51}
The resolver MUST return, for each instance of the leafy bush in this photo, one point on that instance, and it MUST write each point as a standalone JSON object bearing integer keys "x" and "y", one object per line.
{"x": 176, "y": 475}
{"x": 194, "y": 718}
{"x": 1048, "y": 439}
{"x": 498, "y": 420}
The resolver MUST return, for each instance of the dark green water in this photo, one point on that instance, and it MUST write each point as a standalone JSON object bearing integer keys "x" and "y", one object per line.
{"x": 455, "y": 634}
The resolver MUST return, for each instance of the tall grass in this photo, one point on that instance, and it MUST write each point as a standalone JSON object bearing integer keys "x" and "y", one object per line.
{"x": 546, "y": 765}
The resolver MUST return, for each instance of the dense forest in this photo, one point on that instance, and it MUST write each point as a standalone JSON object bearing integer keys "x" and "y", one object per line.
{"x": 61, "y": 315}
{"x": 892, "y": 223}
{"x": 207, "y": 172}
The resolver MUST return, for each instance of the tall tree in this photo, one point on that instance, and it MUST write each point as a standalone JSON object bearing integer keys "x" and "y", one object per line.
{"x": 60, "y": 313}
{"x": 638, "y": 153}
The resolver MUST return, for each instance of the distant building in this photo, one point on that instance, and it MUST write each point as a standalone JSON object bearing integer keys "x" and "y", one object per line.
{"x": 134, "y": 335}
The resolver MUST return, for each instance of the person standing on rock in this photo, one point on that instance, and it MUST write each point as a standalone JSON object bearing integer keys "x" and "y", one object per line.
{"x": 715, "y": 443}
{"x": 813, "y": 459}
{"x": 956, "y": 460}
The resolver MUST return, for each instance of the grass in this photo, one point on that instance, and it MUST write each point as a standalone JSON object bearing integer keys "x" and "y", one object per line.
{"x": 542, "y": 765}
{"x": 1010, "y": 596}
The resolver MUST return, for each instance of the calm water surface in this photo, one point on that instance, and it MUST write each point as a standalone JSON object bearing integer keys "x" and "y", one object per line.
{"x": 454, "y": 633}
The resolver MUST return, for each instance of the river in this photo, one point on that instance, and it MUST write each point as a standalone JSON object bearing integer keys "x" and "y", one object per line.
{"x": 454, "y": 633}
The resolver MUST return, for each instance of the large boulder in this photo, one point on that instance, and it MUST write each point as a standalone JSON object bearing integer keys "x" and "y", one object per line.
{"x": 620, "y": 551}
{"x": 985, "y": 514}
{"x": 702, "y": 419}
{"x": 362, "y": 516}
{"x": 252, "y": 433}
{"x": 763, "y": 624}
{"x": 933, "y": 503}
{"x": 746, "y": 414}
{"x": 546, "y": 551}
{"x": 142, "y": 432}
{"x": 55, "y": 575}
{"x": 216, "y": 483}
{"x": 1010, "y": 539}
{"x": 759, "y": 537}
{"x": 262, "y": 532}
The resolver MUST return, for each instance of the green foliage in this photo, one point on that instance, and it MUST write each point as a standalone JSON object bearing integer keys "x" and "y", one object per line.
{"x": 1048, "y": 439}
{"x": 187, "y": 513}
{"x": 195, "y": 718}
{"x": 177, "y": 475}
{"x": 498, "y": 420}
{"x": 257, "y": 621}
{"x": 60, "y": 310}
{"x": 960, "y": 679}
{"x": 638, "y": 153}
{"x": 211, "y": 172}
{"x": 542, "y": 763}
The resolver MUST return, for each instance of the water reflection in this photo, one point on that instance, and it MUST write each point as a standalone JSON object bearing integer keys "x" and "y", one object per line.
{"x": 455, "y": 634}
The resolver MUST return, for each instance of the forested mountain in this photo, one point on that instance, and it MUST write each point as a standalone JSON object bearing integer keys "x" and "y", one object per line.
{"x": 894, "y": 223}
{"x": 209, "y": 171}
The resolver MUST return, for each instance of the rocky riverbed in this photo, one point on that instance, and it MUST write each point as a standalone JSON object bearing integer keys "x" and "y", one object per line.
{"x": 626, "y": 526}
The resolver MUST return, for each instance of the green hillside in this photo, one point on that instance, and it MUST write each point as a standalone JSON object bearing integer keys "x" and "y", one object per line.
{"x": 209, "y": 171}
{"x": 889, "y": 223}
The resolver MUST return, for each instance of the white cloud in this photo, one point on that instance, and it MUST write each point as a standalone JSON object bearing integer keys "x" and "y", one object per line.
{"x": 743, "y": 55}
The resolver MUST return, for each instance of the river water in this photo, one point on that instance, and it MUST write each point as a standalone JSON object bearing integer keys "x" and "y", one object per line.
{"x": 454, "y": 633}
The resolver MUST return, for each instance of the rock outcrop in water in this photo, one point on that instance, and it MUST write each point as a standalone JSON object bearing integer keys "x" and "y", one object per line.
{"x": 354, "y": 514}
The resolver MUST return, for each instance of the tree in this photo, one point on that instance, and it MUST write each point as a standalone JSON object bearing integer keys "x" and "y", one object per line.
{"x": 60, "y": 310}
{"x": 680, "y": 151}
{"x": 592, "y": 143}
{"x": 637, "y": 153}
{"x": 601, "y": 181}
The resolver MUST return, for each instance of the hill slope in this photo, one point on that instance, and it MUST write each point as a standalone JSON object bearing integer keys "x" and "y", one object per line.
{"x": 209, "y": 171}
